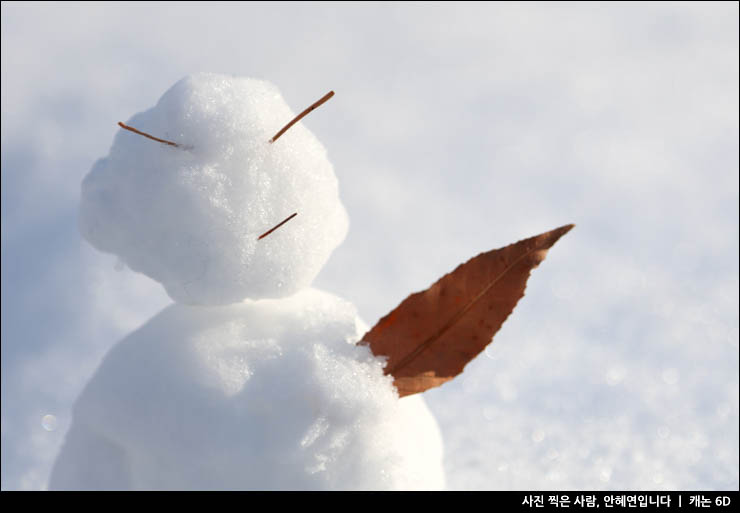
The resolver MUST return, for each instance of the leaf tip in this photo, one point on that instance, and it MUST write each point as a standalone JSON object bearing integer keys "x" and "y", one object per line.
{"x": 564, "y": 229}
{"x": 550, "y": 238}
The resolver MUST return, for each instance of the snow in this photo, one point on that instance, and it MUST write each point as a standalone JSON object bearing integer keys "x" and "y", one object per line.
{"x": 269, "y": 394}
{"x": 190, "y": 216}
{"x": 514, "y": 119}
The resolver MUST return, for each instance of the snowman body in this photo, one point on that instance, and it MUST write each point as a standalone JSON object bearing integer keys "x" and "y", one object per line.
{"x": 252, "y": 379}
{"x": 269, "y": 394}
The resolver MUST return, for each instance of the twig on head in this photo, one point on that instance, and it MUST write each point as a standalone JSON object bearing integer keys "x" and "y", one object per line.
{"x": 301, "y": 115}
{"x": 163, "y": 141}
{"x": 268, "y": 232}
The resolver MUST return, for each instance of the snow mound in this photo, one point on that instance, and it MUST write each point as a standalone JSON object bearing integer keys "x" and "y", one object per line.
{"x": 189, "y": 216}
{"x": 269, "y": 394}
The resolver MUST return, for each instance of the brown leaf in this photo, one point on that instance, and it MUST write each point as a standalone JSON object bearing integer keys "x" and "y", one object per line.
{"x": 433, "y": 334}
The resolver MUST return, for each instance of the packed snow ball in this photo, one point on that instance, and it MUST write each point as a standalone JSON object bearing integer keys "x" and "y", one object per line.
{"x": 189, "y": 216}
{"x": 261, "y": 395}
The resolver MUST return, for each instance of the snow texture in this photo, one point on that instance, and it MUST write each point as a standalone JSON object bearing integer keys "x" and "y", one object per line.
{"x": 269, "y": 394}
{"x": 190, "y": 216}
{"x": 619, "y": 368}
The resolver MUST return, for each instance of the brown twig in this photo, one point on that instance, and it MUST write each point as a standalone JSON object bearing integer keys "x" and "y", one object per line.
{"x": 268, "y": 232}
{"x": 301, "y": 115}
{"x": 132, "y": 129}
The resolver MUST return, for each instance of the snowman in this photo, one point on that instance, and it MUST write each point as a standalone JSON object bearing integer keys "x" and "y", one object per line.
{"x": 251, "y": 379}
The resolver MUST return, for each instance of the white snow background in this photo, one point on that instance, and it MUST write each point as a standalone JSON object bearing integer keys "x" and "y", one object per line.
{"x": 455, "y": 129}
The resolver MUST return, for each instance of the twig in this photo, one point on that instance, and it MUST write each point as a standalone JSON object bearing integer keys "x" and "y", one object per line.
{"x": 301, "y": 115}
{"x": 268, "y": 232}
{"x": 132, "y": 129}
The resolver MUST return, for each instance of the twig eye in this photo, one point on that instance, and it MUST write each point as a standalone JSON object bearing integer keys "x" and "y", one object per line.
{"x": 163, "y": 141}
{"x": 301, "y": 115}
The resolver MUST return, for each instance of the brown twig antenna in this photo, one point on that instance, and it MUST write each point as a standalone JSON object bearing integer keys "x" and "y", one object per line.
{"x": 268, "y": 232}
{"x": 132, "y": 129}
{"x": 301, "y": 116}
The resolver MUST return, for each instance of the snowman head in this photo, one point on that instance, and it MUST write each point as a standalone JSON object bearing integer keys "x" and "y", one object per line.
{"x": 189, "y": 216}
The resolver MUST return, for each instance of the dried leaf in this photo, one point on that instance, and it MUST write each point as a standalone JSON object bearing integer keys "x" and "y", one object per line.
{"x": 430, "y": 337}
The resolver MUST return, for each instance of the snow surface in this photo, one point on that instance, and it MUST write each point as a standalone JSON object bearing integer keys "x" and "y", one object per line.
{"x": 269, "y": 394}
{"x": 456, "y": 128}
{"x": 190, "y": 216}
